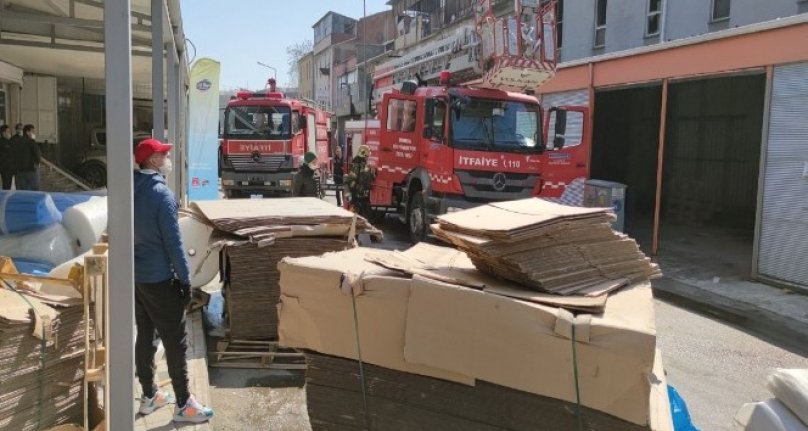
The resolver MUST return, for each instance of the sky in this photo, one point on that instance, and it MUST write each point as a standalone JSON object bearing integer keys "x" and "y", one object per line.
{"x": 240, "y": 33}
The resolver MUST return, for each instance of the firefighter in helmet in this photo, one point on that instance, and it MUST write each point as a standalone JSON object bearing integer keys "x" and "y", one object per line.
{"x": 359, "y": 180}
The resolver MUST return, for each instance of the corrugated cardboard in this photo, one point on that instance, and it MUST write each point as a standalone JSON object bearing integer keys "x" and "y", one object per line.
{"x": 524, "y": 346}
{"x": 453, "y": 266}
{"x": 432, "y": 328}
{"x": 316, "y": 314}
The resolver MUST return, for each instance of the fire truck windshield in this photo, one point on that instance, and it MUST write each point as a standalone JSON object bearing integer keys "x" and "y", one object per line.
{"x": 257, "y": 122}
{"x": 495, "y": 125}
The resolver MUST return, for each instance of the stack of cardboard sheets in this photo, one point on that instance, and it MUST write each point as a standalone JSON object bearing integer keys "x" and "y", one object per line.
{"x": 438, "y": 350}
{"x": 252, "y": 292}
{"x": 550, "y": 247}
{"x": 41, "y": 361}
{"x": 276, "y": 228}
{"x": 403, "y": 401}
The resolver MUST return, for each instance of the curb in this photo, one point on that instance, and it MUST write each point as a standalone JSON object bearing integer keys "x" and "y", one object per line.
{"x": 781, "y": 330}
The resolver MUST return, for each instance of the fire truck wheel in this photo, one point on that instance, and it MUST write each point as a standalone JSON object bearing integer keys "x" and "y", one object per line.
{"x": 417, "y": 221}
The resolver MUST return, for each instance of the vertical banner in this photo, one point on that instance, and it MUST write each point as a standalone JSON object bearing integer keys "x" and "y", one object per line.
{"x": 203, "y": 131}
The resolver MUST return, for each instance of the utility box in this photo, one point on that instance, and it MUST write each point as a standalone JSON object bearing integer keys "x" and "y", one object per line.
{"x": 603, "y": 194}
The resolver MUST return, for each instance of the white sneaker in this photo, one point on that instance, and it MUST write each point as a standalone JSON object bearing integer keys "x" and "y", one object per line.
{"x": 160, "y": 398}
{"x": 193, "y": 411}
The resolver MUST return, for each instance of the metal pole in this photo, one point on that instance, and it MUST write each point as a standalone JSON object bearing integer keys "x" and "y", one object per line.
{"x": 158, "y": 106}
{"x": 764, "y": 151}
{"x": 173, "y": 119}
{"x": 663, "y": 113}
{"x": 275, "y": 71}
{"x": 120, "y": 298}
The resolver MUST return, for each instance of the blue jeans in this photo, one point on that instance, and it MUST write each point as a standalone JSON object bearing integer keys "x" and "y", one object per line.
{"x": 27, "y": 180}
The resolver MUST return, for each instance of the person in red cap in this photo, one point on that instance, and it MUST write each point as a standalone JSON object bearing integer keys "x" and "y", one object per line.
{"x": 162, "y": 285}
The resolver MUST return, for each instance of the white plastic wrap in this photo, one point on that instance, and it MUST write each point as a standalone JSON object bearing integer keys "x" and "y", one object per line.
{"x": 52, "y": 244}
{"x": 86, "y": 222}
{"x": 790, "y": 387}
{"x": 204, "y": 261}
{"x": 769, "y": 415}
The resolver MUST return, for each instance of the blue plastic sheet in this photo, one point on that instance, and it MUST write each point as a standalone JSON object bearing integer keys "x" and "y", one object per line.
{"x": 63, "y": 201}
{"x": 33, "y": 267}
{"x": 22, "y": 211}
{"x": 679, "y": 412}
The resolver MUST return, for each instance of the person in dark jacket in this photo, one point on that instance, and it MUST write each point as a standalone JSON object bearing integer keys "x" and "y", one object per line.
{"x": 6, "y": 157}
{"x": 339, "y": 173}
{"x": 26, "y": 156}
{"x": 162, "y": 285}
{"x": 305, "y": 184}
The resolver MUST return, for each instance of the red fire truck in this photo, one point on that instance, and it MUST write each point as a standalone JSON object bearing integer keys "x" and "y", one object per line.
{"x": 264, "y": 139}
{"x": 439, "y": 148}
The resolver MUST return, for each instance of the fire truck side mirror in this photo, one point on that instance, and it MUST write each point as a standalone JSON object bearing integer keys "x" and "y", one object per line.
{"x": 429, "y": 116}
{"x": 301, "y": 122}
{"x": 560, "y": 128}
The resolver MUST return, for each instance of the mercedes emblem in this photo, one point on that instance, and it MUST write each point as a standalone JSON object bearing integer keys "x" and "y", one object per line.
{"x": 500, "y": 181}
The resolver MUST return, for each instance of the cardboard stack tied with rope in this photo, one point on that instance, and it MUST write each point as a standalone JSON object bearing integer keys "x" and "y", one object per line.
{"x": 272, "y": 229}
{"x": 41, "y": 359}
{"x": 421, "y": 339}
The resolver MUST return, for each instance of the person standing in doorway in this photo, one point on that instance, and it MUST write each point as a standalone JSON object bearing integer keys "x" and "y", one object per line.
{"x": 339, "y": 173}
{"x": 162, "y": 285}
{"x": 27, "y": 157}
{"x": 6, "y": 159}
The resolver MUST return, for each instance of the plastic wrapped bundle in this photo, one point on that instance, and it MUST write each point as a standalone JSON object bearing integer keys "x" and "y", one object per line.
{"x": 769, "y": 415}
{"x": 22, "y": 211}
{"x": 33, "y": 267}
{"x": 63, "y": 201}
{"x": 52, "y": 244}
{"x": 86, "y": 222}
{"x": 790, "y": 387}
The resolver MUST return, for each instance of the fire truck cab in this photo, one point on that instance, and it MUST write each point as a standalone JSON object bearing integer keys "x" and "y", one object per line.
{"x": 437, "y": 149}
{"x": 264, "y": 138}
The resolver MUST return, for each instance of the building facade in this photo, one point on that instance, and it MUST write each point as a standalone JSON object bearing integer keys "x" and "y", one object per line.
{"x": 695, "y": 105}
{"x": 596, "y": 27}
{"x": 305, "y": 76}
{"x": 330, "y": 30}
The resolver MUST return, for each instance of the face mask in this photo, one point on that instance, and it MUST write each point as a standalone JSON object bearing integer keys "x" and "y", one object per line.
{"x": 166, "y": 168}
{"x": 19, "y": 132}
{"x": 7, "y": 135}
{"x": 33, "y": 136}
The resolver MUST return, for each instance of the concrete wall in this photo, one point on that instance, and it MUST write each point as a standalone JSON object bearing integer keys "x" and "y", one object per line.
{"x": 579, "y": 29}
{"x": 625, "y": 22}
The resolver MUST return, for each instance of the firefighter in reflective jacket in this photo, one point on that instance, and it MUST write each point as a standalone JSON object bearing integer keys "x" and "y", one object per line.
{"x": 359, "y": 180}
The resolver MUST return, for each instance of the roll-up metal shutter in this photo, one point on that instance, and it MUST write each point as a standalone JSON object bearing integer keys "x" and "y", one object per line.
{"x": 783, "y": 252}
{"x": 565, "y": 98}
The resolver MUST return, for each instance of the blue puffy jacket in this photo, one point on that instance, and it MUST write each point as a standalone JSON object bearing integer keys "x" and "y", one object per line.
{"x": 159, "y": 254}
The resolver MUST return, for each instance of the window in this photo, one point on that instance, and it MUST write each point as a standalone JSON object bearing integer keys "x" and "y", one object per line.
{"x": 654, "y": 17}
{"x": 395, "y": 114}
{"x": 600, "y": 24}
{"x": 574, "y": 133}
{"x": 438, "y": 119}
{"x": 720, "y": 10}
{"x": 401, "y": 115}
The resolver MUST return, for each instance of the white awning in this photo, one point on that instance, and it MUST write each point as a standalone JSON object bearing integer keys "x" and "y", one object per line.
{"x": 10, "y": 74}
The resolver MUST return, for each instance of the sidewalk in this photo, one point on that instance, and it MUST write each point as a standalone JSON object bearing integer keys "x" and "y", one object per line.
{"x": 778, "y": 315}
{"x": 198, "y": 372}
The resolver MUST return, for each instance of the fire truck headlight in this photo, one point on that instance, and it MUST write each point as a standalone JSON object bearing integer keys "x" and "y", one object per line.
{"x": 286, "y": 183}
{"x": 228, "y": 182}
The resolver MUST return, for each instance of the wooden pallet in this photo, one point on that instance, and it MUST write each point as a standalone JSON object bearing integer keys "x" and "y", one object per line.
{"x": 255, "y": 354}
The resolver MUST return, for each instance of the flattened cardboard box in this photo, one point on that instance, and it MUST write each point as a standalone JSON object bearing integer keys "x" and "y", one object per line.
{"x": 316, "y": 314}
{"x": 459, "y": 334}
